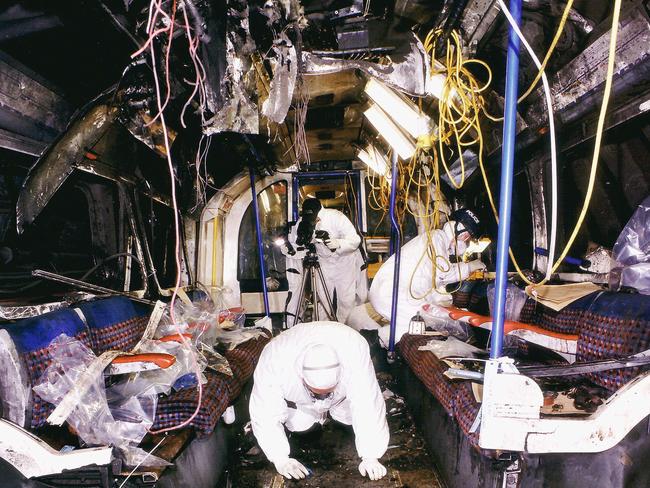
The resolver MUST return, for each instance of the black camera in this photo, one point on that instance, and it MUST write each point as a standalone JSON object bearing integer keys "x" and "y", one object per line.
{"x": 305, "y": 231}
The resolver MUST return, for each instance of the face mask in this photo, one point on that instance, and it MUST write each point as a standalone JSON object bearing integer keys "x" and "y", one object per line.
{"x": 320, "y": 396}
{"x": 460, "y": 248}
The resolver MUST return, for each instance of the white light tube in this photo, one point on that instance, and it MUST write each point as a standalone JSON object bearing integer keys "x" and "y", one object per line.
{"x": 376, "y": 161}
{"x": 390, "y": 132}
{"x": 403, "y": 111}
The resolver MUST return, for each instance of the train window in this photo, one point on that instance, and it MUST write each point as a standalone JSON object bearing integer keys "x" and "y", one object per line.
{"x": 272, "y": 204}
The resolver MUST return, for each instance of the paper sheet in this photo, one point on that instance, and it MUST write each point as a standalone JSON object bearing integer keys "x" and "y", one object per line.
{"x": 559, "y": 296}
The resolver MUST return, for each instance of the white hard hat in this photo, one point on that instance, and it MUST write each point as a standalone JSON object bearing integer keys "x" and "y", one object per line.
{"x": 320, "y": 367}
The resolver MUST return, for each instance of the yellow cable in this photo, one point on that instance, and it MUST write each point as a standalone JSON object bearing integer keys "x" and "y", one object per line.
{"x": 599, "y": 131}
{"x": 558, "y": 34}
{"x": 596, "y": 154}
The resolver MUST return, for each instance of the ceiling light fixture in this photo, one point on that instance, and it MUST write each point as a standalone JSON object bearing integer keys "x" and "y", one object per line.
{"x": 403, "y": 111}
{"x": 375, "y": 160}
{"x": 390, "y": 132}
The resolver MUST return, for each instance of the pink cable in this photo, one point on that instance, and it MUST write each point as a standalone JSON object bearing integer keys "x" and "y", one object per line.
{"x": 169, "y": 48}
{"x": 177, "y": 249}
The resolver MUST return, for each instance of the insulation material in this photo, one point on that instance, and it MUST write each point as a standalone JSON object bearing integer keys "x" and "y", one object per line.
{"x": 632, "y": 250}
{"x": 239, "y": 112}
{"x": 285, "y": 70}
{"x": 408, "y": 75}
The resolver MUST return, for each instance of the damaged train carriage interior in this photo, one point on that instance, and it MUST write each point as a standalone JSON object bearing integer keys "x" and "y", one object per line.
{"x": 383, "y": 243}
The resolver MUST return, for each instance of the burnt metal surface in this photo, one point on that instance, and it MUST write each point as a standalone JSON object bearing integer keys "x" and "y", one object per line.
{"x": 478, "y": 20}
{"x": 54, "y": 167}
{"x": 577, "y": 88}
{"x": 407, "y": 75}
{"x": 331, "y": 455}
{"x": 32, "y": 114}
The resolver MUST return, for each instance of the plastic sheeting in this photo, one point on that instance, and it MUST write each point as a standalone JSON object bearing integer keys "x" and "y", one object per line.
{"x": 515, "y": 300}
{"x": 102, "y": 416}
{"x": 632, "y": 251}
{"x": 437, "y": 318}
{"x": 451, "y": 347}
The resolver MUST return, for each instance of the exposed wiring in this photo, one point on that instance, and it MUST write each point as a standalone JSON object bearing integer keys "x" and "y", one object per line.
{"x": 599, "y": 131}
{"x": 177, "y": 233}
{"x": 551, "y": 122}
{"x": 596, "y": 154}
{"x": 556, "y": 38}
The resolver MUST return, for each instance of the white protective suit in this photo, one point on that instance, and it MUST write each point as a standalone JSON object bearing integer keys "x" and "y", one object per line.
{"x": 341, "y": 267}
{"x": 416, "y": 272}
{"x": 280, "y": 397}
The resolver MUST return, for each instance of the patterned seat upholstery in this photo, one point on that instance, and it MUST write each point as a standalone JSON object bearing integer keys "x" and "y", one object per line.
{"x": 219, "y": 392}
{"x": 608, "y": 324}
{"x": 616, "y": 325}
{"x": 115, "y": 323}
{"x": 32, "y": 338}
{"x": 567, "y": 320}
{"x": 466, "y": 409}
{"x": 428, "y": 369}
{"x": 242, "y": 361}
{"x": 178, "y": 406}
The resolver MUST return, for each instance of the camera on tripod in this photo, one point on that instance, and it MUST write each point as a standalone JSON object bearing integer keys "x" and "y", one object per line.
{"x": 306, "y": 233}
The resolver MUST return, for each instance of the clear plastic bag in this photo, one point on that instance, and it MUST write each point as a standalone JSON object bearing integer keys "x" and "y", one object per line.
{"x": 451, "y": 347}
{"x": 121, "y": 422}
{"x": 438, "y": 319}
{"x": 515, "y": 300}
{"x": 632, "y": 250}
{"x": 161, "y": 381}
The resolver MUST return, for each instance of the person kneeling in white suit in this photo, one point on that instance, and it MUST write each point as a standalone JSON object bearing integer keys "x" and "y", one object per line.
{"x": 422, "y": 277}
{"x": 303, "y": 374}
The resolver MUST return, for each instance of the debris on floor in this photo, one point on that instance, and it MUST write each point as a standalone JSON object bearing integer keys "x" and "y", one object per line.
{"x": 331, "y": 455}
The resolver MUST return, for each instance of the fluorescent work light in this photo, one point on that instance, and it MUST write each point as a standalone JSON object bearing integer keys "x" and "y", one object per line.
{"x": 376, "y": 161}
{"x": 403, "y": 111}
{"x": 390, "y": 132}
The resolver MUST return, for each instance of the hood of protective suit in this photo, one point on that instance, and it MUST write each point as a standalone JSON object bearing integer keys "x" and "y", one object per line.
{"x": 321, "y": 367}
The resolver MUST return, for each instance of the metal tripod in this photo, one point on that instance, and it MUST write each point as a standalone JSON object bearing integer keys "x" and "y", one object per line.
{"x": 313, "y": 274}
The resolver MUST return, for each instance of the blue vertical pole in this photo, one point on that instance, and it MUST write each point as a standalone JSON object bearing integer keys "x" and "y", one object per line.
{"x": 398, "y": 253}
{"x": 505, "y": 199}
{"x": 260, "y": 246}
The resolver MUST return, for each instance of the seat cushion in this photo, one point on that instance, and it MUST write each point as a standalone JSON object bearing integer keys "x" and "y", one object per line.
{"x": 219, "y": 392}
{"x": 466, "y": 409}
{"x": 177, "y": 407}
{"x": 32, "y": 338}
{"x": 115, "y": 323}
{"x": 616, "y": 325}
{"x": 428, "y": 369}
{"x": 567, "y": 320}
{"x": 243, "y": 360}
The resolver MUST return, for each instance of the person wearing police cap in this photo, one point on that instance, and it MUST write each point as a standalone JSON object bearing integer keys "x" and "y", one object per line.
{"x": 426, "y": 268}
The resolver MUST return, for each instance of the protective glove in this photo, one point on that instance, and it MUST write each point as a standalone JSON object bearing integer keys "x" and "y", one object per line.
{"x": 372, "y": 468}
{"x": 290, "y": 468}
{"x": 332, "y": 244}
{"x": 476, "y": 265}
